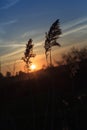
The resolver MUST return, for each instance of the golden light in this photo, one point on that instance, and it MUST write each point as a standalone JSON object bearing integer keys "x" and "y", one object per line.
{"x": 33, "y": 67}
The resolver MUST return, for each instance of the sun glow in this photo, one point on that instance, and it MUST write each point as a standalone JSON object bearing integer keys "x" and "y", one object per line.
{"x": 33, "y": 67}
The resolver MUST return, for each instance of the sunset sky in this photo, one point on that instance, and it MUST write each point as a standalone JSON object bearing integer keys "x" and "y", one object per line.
{"x": 24, "y": 19}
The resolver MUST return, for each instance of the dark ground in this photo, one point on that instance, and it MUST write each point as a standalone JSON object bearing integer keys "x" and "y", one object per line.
{"x": 45, "y": 100}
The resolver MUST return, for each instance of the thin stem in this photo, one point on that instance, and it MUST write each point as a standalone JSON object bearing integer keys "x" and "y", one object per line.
{"x": 50, "y": 58}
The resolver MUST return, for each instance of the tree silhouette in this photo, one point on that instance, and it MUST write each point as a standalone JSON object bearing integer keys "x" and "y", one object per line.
{"x": 1, "y": 75}
{"x": 73, "y": 58}
{"x": 8, "y": 74}
{"x": 51, "y": 39}
{"x": 28, "y": 54}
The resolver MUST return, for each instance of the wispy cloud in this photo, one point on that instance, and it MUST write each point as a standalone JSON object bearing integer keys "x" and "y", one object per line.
{"x": 11, "y": 45}
{"x": 8, "y": 22}
{"x": 75, "y": 26}
{"x": 75, "y": 30}
{"x": 33, "y": 33}
{"x": 9, "y": 3}
{"x": 18, "y": 49}
{"x": 30, "y": 33}
{"x": 12, "y": 53}
{"x": 4, "y": 24}
{"x": 74, "y": 23}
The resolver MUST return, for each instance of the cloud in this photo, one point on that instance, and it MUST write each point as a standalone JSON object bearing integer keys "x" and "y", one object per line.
{"x": 39, "y": 43}
{"x": 18, "y": 48}
{"x": 75, "y": 30}
{"x": 18, "y": 52}
{"x": 11, "y": 45}
{"x": 30, "y": 33}
{"x": 9, "y": 3}
{"x": 8, "y": 22}
{"x": 74, "y": 23}
{"x": 2, "y": 25}
{"x": 33, "y": 33}
{"x": 12, "y": 53}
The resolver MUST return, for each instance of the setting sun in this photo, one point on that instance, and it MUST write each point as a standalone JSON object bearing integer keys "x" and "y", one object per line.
{"x": 33, "y": 67}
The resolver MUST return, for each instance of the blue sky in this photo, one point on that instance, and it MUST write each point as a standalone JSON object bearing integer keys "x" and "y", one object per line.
{"x": 24, "y": 19}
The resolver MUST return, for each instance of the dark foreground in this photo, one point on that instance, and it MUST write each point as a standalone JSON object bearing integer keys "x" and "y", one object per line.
{"x": 45, "y": 100}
